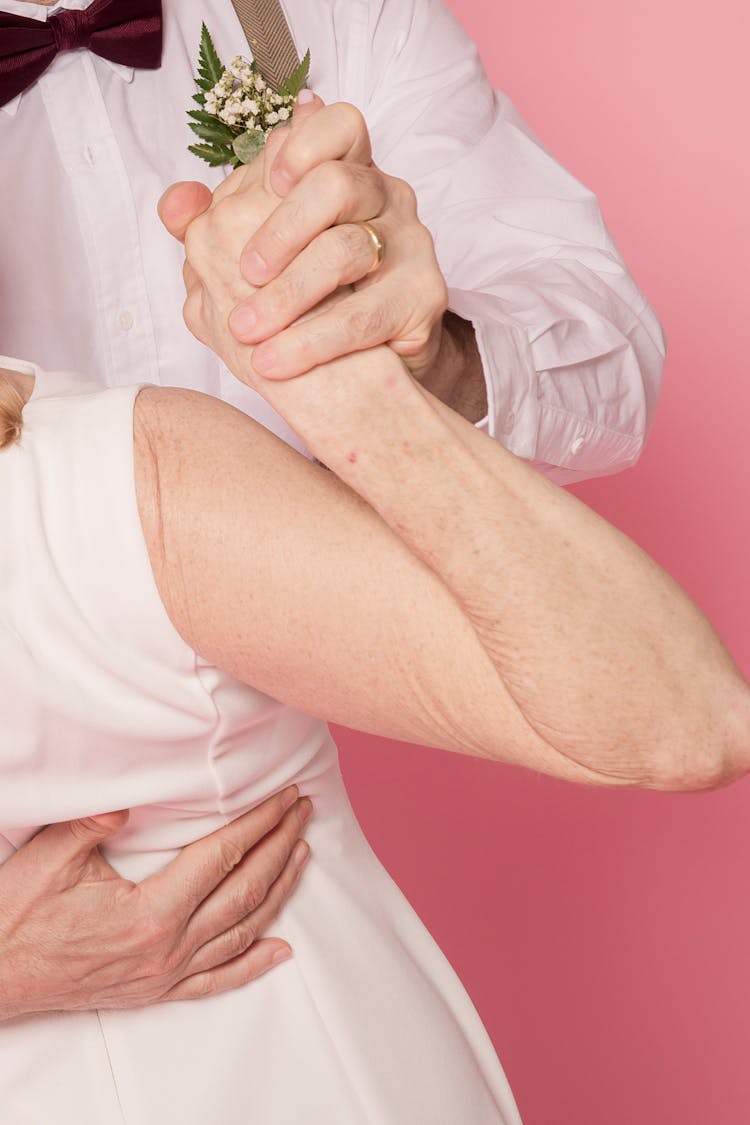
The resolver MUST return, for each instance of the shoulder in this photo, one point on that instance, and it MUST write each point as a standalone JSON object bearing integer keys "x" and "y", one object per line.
{"x": 175, "y": 426}
{"x": 175, "y": 407}
{"x": 200, "y": 466}
{"x": 184, "y": 441}
{"x": 184, "y": 444}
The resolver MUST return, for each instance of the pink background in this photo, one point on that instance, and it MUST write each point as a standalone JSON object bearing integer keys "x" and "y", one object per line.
{"x": 605, "y": 937}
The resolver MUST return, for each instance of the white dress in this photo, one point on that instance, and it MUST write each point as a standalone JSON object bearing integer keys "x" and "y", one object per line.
{"x": 104, "y": 707}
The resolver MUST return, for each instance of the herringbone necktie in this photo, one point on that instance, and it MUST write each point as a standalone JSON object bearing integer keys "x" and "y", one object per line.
{"x": 269, "y": 36}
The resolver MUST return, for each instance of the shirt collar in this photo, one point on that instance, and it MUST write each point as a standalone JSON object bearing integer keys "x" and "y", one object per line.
{"x": 41, "y": 12}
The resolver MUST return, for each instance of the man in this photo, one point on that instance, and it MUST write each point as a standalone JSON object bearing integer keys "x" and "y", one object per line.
{"x": 547, "y": 342}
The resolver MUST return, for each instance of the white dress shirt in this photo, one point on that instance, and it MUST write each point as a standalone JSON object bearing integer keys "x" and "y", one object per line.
{"x": 572, "y": 352}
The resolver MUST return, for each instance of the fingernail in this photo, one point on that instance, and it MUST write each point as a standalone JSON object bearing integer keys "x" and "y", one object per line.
{"x": 254, "y": 267}
{"x": 301, "y": 854}
{"x": 264, "y": 359}
{"x": 243, "y": 321}
{"x": 281, "y": 955}
{"x": 305, "y": 96}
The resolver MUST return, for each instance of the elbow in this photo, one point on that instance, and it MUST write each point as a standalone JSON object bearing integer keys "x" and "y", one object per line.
{"x": 713, "y": 753}
{"x": 737, "y": 757}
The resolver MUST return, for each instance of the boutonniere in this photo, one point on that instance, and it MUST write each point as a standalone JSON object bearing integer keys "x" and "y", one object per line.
{"x": 238, "y": 108}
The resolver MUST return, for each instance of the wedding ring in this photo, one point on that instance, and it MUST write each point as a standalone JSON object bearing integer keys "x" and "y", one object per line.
{"x": 378, "y": 245}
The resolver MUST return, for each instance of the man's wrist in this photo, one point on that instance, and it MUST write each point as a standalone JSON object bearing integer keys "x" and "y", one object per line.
{"x": 457, "y": 376}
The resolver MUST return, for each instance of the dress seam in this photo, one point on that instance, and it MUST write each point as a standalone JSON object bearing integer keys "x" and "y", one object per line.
{"x": 111, "y": 1067}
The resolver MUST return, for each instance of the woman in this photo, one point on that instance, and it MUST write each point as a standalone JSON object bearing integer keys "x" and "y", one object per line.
{"x": 173, "y": 574}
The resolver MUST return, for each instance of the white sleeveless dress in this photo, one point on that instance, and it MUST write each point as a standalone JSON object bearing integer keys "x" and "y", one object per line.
{"x": 104, "y": 707}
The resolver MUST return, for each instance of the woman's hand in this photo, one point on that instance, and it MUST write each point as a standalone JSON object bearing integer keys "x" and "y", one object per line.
{"x": 214, "y": 229}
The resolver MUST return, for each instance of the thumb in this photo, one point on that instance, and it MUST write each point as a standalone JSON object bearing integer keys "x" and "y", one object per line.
{"x": 307, "y": 103}
{"x": 76, "y": 839}
{"x": 82, "y": 837}
{"x": 63, "y": 851}
{"x": 180, "y": 204}
{"x": 91, "y": 830}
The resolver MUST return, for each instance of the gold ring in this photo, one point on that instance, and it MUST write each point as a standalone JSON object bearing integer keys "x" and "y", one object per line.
{"x": 378, "y": 245}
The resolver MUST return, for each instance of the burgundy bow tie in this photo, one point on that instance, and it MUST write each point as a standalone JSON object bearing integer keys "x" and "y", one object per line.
{"x": 123, "y": 31}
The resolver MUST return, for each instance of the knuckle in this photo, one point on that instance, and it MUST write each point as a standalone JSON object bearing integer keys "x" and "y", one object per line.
{"x": 423, "y": 244}
{"x": 437, "y": 294}
{"x": 170, "y": 965}
{"x": 238, "y": 940}
{"x": 353, "y": 118}
{"x": 365, "y": 323}
{"x": 403, "y": 194}
{"x": 191, "y": 311}
{"x": 251, "y": 895}
{"x": 203, "y": 984}
{"x": 333, "y": 179}
{"x": 300, "y": 156}
{"x": 196, "y": 238}
{"x": 229, "y": 854}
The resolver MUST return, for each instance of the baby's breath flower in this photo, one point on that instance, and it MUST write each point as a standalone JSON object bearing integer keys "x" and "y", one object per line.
{"x": 238, "y": 108}
{"x": 229, "y": 99}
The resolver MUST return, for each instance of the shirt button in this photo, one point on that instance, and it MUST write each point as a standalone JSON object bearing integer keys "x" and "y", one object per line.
{"x": 510, "y": 421}
{"x": 577, "y": 444}
{"x": 125, "y": 321}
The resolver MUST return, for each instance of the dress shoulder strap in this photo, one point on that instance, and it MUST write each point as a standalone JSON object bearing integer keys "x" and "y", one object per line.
{"x": 268, "y": 34}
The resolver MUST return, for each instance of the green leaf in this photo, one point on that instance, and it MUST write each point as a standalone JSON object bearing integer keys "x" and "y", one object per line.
{"x": 248, "y": 145}
{"x": 211, "y": 121}
{"x": 215, "y": 154}
{"x": 213, "y": 134}
{"x": 292, "y": 85}
{"x": 210, "y": 65}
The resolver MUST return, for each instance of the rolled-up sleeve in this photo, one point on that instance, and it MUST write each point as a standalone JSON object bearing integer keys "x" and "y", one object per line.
{"x": 572, "y": 352}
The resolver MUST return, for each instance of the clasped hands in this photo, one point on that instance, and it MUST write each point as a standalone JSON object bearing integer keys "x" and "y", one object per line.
{"x": 308, "y": 287}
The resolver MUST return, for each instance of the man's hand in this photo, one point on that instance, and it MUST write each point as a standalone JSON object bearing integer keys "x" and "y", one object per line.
{"x": 311, "y": 245}
{"x": 75, "y": 936}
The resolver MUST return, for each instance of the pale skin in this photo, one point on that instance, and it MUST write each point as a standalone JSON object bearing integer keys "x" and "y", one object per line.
{"x": 498, "y": 637}
{"x": 75, "y": 936}
{"x": 441, "y": 349}
{"x": 446, "y": 593}
{"x": 73, "y": 909}
{"x": 310, "y": 247}
{"x": 724, "y": 757}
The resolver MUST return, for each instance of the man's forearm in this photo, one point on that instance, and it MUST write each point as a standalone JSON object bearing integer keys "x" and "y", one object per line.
{"x": 457, "y": 377}
{"x": 592, "y": 641}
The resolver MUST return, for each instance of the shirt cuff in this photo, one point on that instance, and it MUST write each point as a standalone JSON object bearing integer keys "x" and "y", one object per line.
{"x": 512, "y": 416}
{"x": 562, "y": 443}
